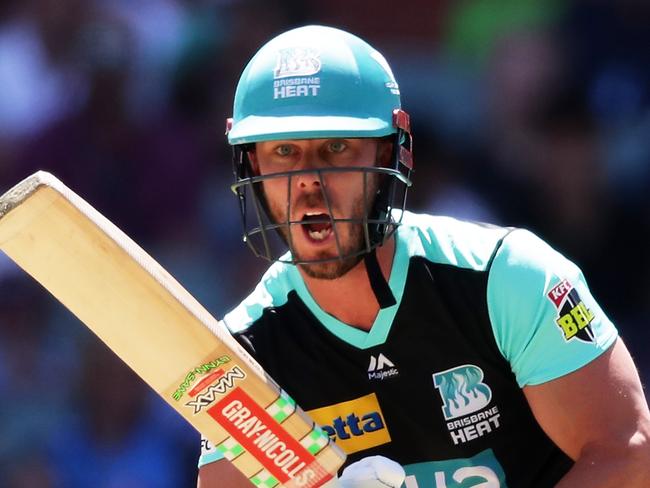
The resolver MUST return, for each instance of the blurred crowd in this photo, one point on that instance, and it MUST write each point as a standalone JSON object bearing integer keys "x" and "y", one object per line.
{"x": 532, "y": 113}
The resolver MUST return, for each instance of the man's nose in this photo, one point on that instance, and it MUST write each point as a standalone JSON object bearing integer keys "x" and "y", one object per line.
{"x": 309, "y": 176}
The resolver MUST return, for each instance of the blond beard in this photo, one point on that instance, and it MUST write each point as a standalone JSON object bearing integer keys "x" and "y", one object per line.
{"x": 335, "y": 269}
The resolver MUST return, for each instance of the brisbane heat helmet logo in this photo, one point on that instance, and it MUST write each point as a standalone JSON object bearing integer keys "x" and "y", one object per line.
{"x": 574, "y": 318}
{"x": 296, "y": 73}
{"x": 297, "y": 61}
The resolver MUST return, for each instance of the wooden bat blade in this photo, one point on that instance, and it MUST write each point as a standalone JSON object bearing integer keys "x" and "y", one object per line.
{"x": 157, "y": 328}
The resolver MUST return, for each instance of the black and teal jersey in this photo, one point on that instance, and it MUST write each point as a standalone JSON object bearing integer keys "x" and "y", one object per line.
{"x": 436, "y": 384}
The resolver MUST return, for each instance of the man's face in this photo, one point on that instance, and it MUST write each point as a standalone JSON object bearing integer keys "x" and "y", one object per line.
{"x": 304, "y": 197}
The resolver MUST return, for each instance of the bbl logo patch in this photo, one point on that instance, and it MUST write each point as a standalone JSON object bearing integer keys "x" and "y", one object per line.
{"x": 574, "y": 318}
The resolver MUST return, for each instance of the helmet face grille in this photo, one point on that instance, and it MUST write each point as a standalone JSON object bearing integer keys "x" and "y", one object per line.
{"x": 269, "y": 237}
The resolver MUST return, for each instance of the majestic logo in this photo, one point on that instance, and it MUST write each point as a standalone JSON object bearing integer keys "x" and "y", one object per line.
{"x": 294, "y": 73}
{"x": 465, "y": 399}
{"x": 282, "y": 456}
{"x": 574, "y": 318}
{"x": 354, "y": 425}
{"x": 225, "y": 382}
{"x": 381, "y": 367}
{"x": 297, "y": 61}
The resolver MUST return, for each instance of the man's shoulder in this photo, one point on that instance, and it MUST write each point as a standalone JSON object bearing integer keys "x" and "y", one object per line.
{"x": 451, "y": 241}
{"x": 271, "y": 291}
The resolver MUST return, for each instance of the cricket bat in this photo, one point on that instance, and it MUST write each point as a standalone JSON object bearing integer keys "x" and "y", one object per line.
{"x": 159, "y": 330}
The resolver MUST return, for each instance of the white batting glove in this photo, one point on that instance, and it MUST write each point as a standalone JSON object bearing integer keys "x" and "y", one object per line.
{"x": 370, "y": 472}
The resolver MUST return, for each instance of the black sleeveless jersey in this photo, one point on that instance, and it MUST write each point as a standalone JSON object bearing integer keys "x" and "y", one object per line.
{"x": 436, "y": 383}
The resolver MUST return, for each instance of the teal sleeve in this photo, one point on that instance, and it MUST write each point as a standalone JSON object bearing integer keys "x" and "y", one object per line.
{"x": 545, "y": 320}
{"x": 209, "y": 453}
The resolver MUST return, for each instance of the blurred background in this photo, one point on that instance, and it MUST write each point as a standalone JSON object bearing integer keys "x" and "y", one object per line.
{"x": 533, "y": 113}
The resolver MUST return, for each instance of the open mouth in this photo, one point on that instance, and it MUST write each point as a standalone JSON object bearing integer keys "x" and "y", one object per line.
{"x": 317, "y": 226}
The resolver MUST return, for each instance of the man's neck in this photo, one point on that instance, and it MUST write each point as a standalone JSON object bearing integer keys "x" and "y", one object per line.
{"x": 351, "y": 298}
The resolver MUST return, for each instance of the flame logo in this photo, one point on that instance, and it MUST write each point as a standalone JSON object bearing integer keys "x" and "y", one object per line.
{"x": 297, "y": 61}
{"x": 462, "y": 390}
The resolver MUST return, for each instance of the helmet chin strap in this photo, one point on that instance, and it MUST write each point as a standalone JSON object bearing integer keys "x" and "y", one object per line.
{"x": 380, "y": 288}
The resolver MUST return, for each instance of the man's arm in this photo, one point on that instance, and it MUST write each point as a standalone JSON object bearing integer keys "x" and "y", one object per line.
{"x": 598, "y": 415}
{"x": 221, "y": 473}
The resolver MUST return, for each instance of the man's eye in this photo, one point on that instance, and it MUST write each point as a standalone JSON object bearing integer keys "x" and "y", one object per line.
{"x": 284, "y": 150}
{"x": 337, "y": 146}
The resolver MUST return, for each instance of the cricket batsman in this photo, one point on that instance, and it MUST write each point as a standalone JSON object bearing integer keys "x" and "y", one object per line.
{"x": 437, "y": 353}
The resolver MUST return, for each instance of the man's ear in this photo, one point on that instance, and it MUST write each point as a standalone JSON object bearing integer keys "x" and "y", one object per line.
{"x": 252, "y": 158}
{"x": 384, "y": 151}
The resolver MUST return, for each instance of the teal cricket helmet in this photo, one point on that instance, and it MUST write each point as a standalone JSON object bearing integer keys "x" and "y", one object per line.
{"x": 314, "y": 82}
{"x": 318, "y": 82}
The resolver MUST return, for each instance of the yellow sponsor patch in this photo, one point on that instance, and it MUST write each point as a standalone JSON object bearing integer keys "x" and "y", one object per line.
{"x": 575, "y": 320}
{"x": 355, "y": 425}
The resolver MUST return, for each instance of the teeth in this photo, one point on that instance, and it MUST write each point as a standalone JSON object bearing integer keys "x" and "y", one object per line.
{"x": 319, "y": 235}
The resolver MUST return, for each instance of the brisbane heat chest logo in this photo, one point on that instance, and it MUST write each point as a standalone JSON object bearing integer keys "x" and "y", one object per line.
{"x": 466, "y": 403}
{"x": 574, "y": 318}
